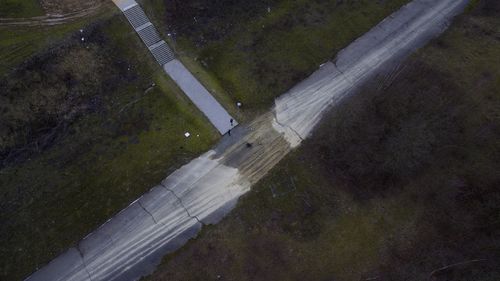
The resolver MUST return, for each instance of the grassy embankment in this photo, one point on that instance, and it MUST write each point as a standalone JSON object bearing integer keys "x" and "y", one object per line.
{"x": 20, "y": 8}
{"x": 245, "y": 53}
{"x": 19, "y": 43}
{"x": 82, "y": 134}
{"x": 400, "y": 182}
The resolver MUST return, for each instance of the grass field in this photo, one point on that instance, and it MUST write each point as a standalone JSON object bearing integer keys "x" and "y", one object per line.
{"x": 74, "y": 152}
{"x": 20, "y": 43}
{"x": 256, "y": 53}
{"x": 82, "y": 134}
{"x": 20, "y": 8}
{"x": 400, "y": 182}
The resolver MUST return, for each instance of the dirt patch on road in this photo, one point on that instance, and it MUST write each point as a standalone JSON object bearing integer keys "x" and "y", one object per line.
{"x": 398, "y": 183}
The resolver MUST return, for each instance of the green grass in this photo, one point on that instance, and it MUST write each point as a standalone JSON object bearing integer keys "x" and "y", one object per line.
{"x": 364, "y": 198}
{"x": 20, "y": 9}
{"x": 258, "y": 57}
{"x": 19, "y": 43}
{"x": 312, "y": 233}
{"x": 105, "y": 158}
{"x": 214, "y": 86}
{"x": 253, "y": 56}
{"x": 156, "y": 11}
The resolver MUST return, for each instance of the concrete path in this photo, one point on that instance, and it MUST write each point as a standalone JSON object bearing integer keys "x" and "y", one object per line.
{"x": 393, "y": 39}
{"x": 132, "y": 243}
{"x": 217, "y": 115}
{"x": 164, "y": 55}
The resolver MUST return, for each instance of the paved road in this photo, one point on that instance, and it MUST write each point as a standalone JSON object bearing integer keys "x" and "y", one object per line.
{"x": 203, "y": 191}
{"x": 390, "y": 41}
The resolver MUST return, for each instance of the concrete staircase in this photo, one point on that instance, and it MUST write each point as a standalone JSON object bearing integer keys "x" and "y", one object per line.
{"x": 148, "y": 34}
{"x": 165, "y": 57}
{"x": 136, "y": 16}
{"x": 162, "y": 53}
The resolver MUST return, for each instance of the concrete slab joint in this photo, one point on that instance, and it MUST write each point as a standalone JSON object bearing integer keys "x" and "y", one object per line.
{"x": 133, "y": 242}
{"x": 182, "y": 205}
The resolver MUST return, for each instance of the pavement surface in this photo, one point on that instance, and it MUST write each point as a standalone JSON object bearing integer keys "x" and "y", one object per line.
{"x": 124, "y": 4}
{"x": 196, "y": 92}
{"x": 217, "y": 115}
{"x": 386, "y": 44}
{"x": 133, "y": 242}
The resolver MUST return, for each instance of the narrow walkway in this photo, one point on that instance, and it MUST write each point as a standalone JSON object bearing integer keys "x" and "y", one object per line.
{"x": 164, "y": 55}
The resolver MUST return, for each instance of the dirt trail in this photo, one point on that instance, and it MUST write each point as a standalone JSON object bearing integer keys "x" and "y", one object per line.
{"x": 133, "y": 242}
{"x": 59, "y": 13}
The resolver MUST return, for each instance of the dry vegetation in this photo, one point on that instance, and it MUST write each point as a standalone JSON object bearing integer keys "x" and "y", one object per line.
{"x": 68, "y": 6}
{"x": 258, "y": 49}
{"x": 82, "y": 134}
{"x": 400, "y": 182}
{"x": 50, "y": 93}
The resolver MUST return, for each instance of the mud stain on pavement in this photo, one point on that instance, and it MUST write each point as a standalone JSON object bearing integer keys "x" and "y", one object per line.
{"x": 132, "y": 243}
